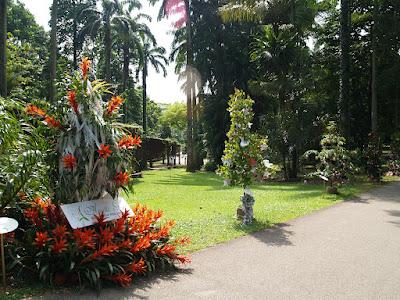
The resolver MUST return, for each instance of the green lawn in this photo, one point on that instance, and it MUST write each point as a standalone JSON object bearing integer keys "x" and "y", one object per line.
{"x": 205, "y": 210}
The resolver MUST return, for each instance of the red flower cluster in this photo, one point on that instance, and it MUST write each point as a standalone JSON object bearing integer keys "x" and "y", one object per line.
{"x": 104, "y": 151}
{"x": 72, "y": 101}
{"x": 121, "y": 178}
{"x": 132, "y": 243}
{"x": 35, "y": 111}
{"x": 69, "y": 161}
{"x": 114, "y": 104}
{"x": 130, "y": 142}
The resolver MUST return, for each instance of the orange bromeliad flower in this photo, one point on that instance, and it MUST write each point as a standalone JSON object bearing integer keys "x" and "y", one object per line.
{"x": 138, "y": 267}
{"x": 104, "y": 151}
{"x": 100, "y": 219}
{"x": 122, "y": 178}
{"x": 142, "y": 244}
{"x": 59, "y": 246}
{"x": 105, "y": 250}
{"x": 129, "y": 142}
{"x": 123, "y": 279}
{"x": 106, "y": 235}
{"x": 85, "y": 65}
{"x": 41, "y": 239}
{"x": 84, "y": 238}
{"x": 72, "y": 101}
{"x": 50, "y": 121}
{"x": 33, "y": 110}
{"x": 69, "y": 161}
{"x": 114, "y": 104}
{"x": 183, "y": 259}
{"x": 168, "y": 250}
{"x": 60, "y": 231}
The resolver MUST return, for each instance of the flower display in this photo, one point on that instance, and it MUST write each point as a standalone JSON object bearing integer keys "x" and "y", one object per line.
{"x": 243, "y": 159}
{"x": 115, "y": 251}
{"x": 104, "y": 151}
{"x": 130, "y": 142}
{"x": 122, "y": 178}
{"x": 85, "y": 65}
{"x": 93, "y": 152}
{"x": 72, "y": 101}
{"x": 87, "y": 138}
{"x": 114, "y": 104}
{"x": 69, "y": 161}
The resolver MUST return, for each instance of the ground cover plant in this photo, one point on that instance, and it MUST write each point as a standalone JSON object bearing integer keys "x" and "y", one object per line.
{"x": 204, "y": 208}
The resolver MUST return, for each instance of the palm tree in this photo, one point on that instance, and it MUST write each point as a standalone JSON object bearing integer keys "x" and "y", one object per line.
{"x": 168, "y": 7}
{"x": 3, "y": 47}
{"x": 103, "y": 21}
{"x": 53, "y": 50}
{"x": 130, "y": 34}
{"x": 154, "y": 56}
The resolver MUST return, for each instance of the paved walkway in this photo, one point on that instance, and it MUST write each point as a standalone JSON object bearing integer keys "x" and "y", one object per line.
{"x": 349, "y": 251}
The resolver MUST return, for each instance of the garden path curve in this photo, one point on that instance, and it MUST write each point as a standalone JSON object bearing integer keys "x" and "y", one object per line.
{"x": 348, "y": 251}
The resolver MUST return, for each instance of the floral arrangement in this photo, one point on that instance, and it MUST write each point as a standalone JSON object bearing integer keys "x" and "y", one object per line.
{"x": 93, "y": 148}
{"x": 243, "y": 159}
{"x": 114, "y": 251}
{"x": 93, "y": 158}
{"x": 334, "y": 162}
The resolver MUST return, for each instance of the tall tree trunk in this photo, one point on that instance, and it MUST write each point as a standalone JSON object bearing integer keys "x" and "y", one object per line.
{"x": 125, "y": 78}
{"x": 343, "y": 104}
{"x": 3, "y": 48}
{"x": 144, "y": 77}
{"x": 374, "y": 100}
{"x": 125, "y": 72}
{"x": 53, "y": 51}
{"x": 189, "y": 99}
{"x": 75, "y": 43}
{"x": 107, "y": 54}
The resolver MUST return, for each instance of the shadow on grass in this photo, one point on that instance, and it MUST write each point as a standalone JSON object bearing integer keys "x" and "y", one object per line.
{"x": 273, "y": 235}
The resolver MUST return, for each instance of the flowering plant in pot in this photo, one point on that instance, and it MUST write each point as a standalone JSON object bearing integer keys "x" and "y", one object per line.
{"x": 243, "y": 159}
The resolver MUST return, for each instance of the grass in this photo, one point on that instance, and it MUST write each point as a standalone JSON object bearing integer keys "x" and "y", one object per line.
{"x": 205, "y": 210}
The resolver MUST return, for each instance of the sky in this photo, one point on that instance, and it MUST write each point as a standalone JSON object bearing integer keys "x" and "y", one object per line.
{"x": 160, "y": 89}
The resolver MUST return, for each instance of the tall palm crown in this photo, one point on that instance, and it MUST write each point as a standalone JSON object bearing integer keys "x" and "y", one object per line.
{"x": 106, "y": 18}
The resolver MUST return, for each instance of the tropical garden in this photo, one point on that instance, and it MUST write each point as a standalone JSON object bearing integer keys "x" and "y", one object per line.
{"x": 290, "y": 107}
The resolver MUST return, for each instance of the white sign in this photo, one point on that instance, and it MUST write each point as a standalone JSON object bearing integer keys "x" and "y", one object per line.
{"x": 324, "y": 178}
{"x": 82, "y": 214}
{"x": 7, "y": 225}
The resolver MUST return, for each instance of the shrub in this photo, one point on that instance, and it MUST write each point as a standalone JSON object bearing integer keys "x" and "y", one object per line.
{"x": 333, "y": 161}
{"x": 113, "y": 251}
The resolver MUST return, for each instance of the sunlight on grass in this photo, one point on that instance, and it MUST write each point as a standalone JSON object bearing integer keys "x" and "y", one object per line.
{"x": 205, "y": 210}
